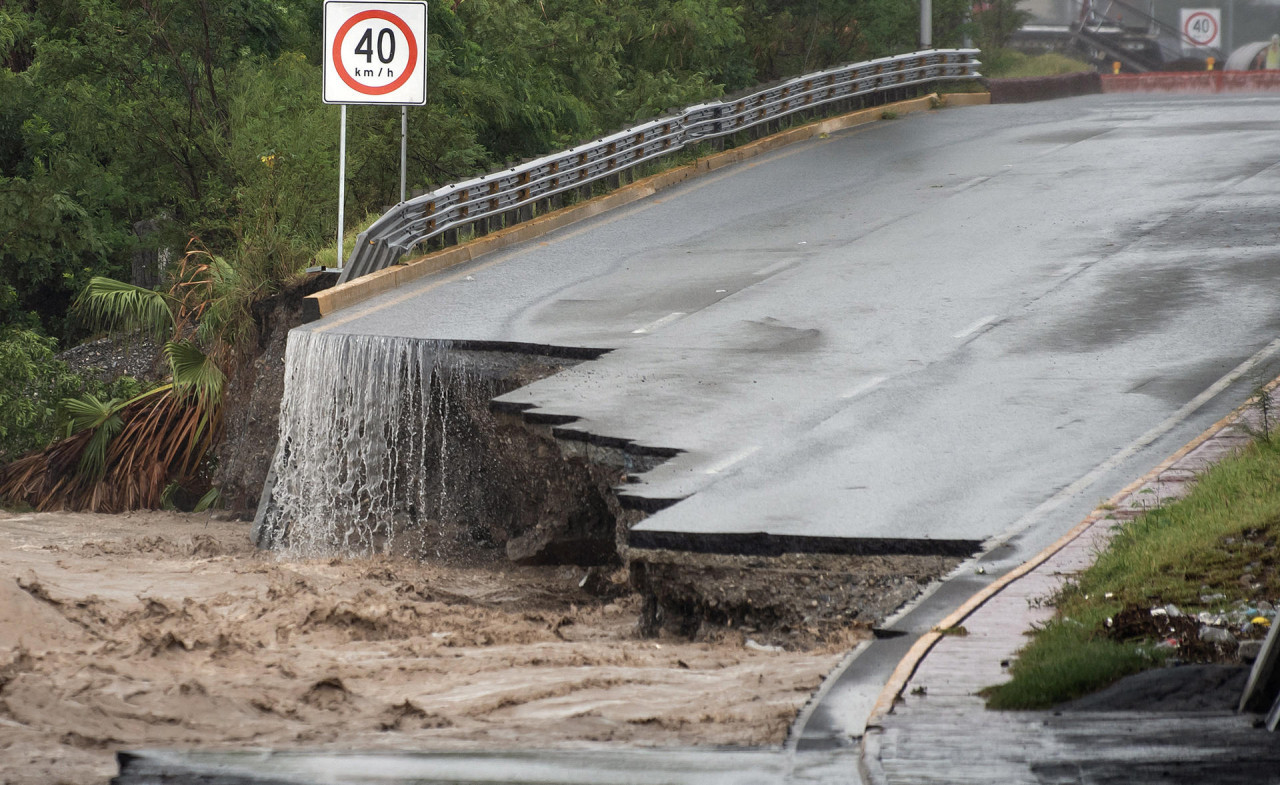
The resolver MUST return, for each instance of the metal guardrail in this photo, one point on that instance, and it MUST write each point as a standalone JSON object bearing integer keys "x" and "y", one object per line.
{"x": 509, "y": 195}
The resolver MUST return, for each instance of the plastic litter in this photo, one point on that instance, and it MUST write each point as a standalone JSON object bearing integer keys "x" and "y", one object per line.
{"x": 1216, "y": 635}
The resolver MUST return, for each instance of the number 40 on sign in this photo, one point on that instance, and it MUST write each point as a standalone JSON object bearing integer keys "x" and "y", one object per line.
{"x": 375, "y": 52}
{"x": 1201, "y": 30}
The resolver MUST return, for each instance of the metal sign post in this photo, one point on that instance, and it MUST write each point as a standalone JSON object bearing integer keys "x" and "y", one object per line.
{"x": 342, "y": 184}
{"x": 375, "y": 52}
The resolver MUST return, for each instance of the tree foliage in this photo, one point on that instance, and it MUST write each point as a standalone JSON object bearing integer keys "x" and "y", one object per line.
{"x": 32, "y": 383}
{"x": 995, "y": 21}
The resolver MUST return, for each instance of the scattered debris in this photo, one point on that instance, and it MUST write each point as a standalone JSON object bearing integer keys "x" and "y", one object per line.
{"x": 1221, "y": 633}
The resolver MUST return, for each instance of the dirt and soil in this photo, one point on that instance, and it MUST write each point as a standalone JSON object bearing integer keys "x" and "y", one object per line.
{"x": 252, "y": 416}
{"x": 791, "y": 599}
{"x": 171, "y": 630}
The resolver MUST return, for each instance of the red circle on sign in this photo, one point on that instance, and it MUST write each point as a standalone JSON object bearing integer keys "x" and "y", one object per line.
{"x": 1186, "y": 28}
{"x": 386, "y": 16}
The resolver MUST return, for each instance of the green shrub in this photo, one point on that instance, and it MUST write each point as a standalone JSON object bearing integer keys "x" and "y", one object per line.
{"x": 32, "y": 383}
{"x": 1008, "y": 63}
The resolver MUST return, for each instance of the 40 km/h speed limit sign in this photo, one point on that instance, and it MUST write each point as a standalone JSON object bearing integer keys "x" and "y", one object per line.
{"x": 1201, "y": 29}
{"x": 375, "y": 52}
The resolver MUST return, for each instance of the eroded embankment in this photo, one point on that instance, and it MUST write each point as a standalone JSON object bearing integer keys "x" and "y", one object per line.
{"x": 792, "y": 599}
{"x": 390, "y": 444}
{"x": 395, "y": 445}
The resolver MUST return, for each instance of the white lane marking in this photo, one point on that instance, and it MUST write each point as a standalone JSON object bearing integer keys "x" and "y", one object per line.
{"x": 866, "y": 386}
{"x": 773, "y": 268}
{"x": 1143, "y": 441}
{"x": 740, "y": 455}
{"x": 967, "y": 184}
{"x": 663, "y": 322}
{"x": 976, "y": 326}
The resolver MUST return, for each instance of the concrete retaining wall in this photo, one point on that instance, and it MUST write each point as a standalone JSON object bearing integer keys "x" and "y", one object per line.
{"x": 1043, "y": 88}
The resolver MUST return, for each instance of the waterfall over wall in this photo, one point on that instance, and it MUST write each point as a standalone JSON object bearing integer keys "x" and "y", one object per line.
{"x": 357, "y": 412}
{"x": 388, "y": 444}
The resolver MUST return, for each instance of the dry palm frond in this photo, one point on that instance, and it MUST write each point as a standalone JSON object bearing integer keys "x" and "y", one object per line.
{"x": 163, "y": 438}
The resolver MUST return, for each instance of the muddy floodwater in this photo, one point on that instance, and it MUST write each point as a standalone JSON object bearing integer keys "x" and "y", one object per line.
{"x": 172, "y": 630}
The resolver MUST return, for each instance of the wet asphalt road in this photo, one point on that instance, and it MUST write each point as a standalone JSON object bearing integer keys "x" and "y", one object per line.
{"x": 964, "y": 327}
{"x": 919, "y": 332}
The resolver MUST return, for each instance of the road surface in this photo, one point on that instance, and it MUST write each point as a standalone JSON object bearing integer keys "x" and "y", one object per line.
{"x": 926, "y": 334}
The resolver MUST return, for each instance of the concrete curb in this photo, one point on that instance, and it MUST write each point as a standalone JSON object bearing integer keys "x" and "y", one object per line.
{"x": 910, "y": 662}
{"x": 330, "y": 301}
{"x": 955, "y": 100}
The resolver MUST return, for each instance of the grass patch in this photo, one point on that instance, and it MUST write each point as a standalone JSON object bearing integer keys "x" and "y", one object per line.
{"x": 1008, "y": 63}
{"x": 960, "y": 86}
{"x": 1065, "y": 661}
{"x": 328, "y": 256}
{"x": 1214, "y": 551}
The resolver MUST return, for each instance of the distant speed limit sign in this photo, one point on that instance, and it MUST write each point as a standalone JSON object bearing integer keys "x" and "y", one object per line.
{"x": 1201, "y": 28}
{"x": 375, "y": 52}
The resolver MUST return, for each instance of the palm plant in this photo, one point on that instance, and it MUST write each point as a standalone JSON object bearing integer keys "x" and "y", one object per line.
{"x": 131, "y": 454}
